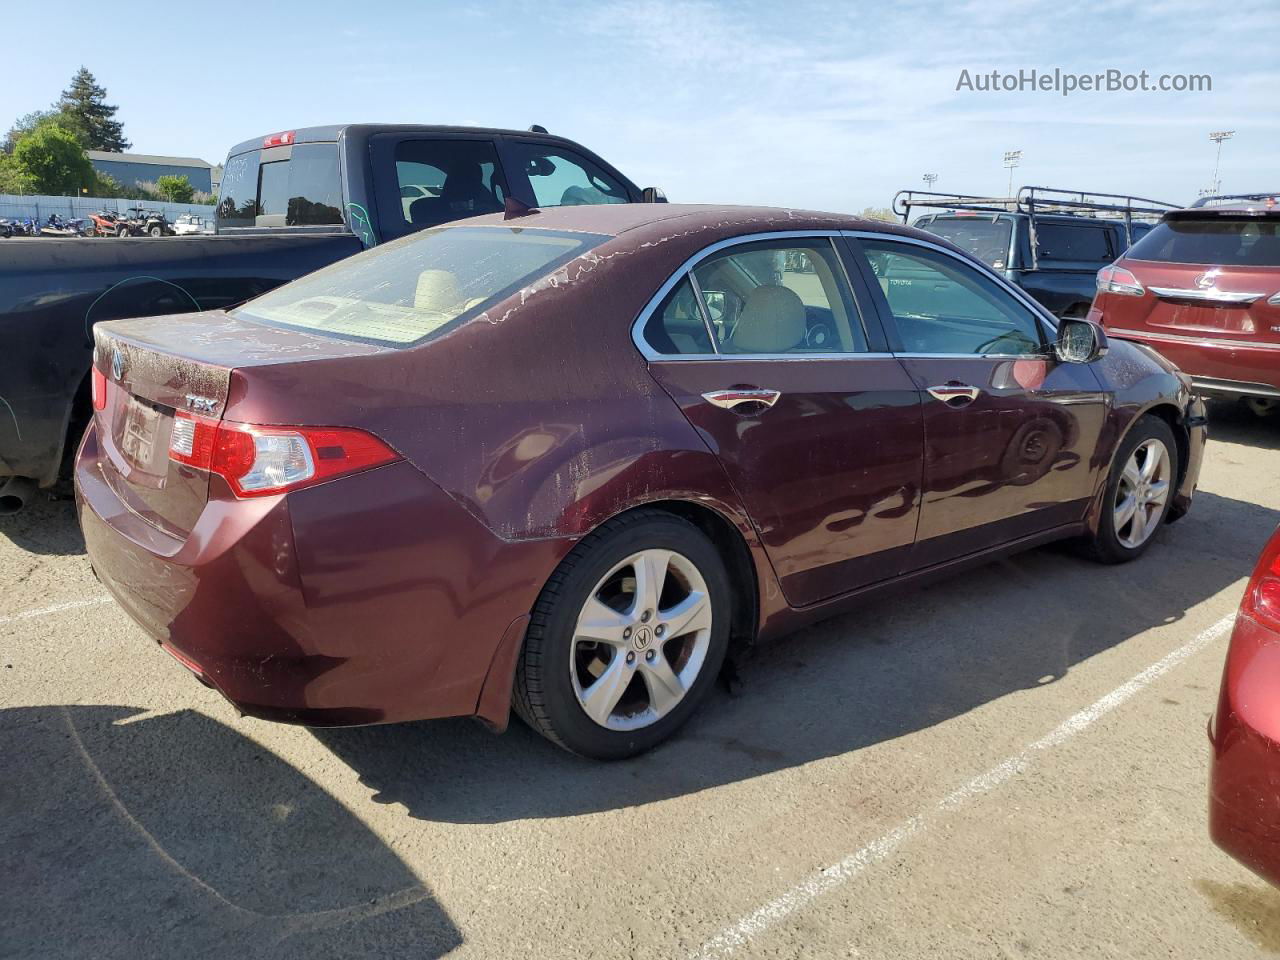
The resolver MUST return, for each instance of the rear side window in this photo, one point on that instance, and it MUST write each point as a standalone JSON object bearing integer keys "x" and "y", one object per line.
{"x": 562, "y": 178}
{"x": 678, "y": 327}
{"x": 304, "y": 189}
{"x": 1250, "y": 242}
{"x": 1071, "y": 241}
{"x": 443, "y": 180}
{"x": 985, "y": 238}
{"x": 416, "y": 288}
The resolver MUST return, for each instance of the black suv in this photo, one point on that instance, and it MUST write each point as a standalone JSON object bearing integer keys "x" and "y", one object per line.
{"x": 1050, "y": 242}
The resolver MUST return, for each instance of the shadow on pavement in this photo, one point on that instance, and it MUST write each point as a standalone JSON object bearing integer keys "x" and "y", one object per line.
{"x": 896, "y": 666}
{"x": 1231, "y": 421}
{"x": 174, "y": 836}
{"x": 46, "y": 525}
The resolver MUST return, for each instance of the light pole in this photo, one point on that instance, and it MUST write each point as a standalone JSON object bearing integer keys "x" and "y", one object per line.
{"x": 1217, "y": 137}
{"x": 1012, "y": 158}
{"x": 930, "y": 179}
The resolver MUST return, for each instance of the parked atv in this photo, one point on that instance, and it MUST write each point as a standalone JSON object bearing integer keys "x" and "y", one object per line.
{"x": 146, "y": 223}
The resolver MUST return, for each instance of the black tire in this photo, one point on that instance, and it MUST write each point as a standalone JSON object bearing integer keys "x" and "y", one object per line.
{"x": 544, "y": 696}
{"x": 122, "y": 231}
{"x": 1105, "y": 546}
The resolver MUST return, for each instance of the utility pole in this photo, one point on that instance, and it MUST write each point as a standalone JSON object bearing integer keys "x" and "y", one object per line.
{"x": 1012, "y": 158}
{"x": 1217, "y": 137}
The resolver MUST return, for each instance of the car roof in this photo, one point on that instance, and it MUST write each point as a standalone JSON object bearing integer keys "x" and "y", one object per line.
{"x": 615, "y": 219}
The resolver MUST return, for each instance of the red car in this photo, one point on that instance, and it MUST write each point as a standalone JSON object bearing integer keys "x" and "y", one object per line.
{"x": 569, "y": 458}
{"x": 1244, "y": 785}
{"x": 1203, "y": 288}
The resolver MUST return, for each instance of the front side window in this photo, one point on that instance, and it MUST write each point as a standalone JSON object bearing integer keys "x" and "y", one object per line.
{"x": 444, "y": 180}
{"x": 562, "y": 178}
{"x": 940, "y": 305}
{"x": 414, "y": 289}
{"x": 1069, "y": 241}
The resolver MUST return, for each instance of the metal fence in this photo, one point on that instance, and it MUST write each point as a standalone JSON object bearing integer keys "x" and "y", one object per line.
{"x": 38, "y": 208}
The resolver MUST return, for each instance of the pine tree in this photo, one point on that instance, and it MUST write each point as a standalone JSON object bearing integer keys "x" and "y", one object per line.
{"x": 85, "y": 107}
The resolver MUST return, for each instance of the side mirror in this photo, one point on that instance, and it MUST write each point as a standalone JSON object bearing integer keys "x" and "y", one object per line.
{"x": 653, "y": 195}
{"x": 1079, "y": 341}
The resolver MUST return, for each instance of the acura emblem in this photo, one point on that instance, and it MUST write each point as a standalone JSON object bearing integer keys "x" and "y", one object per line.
{"x": 117, "y": 364}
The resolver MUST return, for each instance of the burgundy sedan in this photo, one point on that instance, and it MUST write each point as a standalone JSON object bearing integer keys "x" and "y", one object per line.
{"x": 567, "y": 460}
{"x": 1244, "y": 785}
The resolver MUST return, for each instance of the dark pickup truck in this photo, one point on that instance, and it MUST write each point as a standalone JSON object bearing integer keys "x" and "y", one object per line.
{"x": 1048, "y": 241}
{"x": 290, "y": 203}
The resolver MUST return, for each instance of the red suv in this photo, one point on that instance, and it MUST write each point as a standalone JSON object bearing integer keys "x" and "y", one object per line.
{"x": 1203, "y": 288}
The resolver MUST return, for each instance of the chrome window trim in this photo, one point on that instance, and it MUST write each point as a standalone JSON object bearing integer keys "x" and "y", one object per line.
{"x": 686, "y": 270}
{"x": 1159, "y": 335}
{"x": 1210, "y": 295}
{"x": 1037, "y": 309}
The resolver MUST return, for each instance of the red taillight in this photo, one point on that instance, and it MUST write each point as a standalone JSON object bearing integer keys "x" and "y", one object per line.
{"x": 259, "y": 461}
{"x": 98, "y": 387}
{"x": 1114, "y": 279}
{"x": 1262, "y": 598}
{"x": 278, "y": 139}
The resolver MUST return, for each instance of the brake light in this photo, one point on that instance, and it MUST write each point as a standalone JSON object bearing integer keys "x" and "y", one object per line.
{"x": 257, "y": 461}
{"x": 1114, "y": 279}
{"x": 278, "y": 139}
{"x": 98, "y": 388}
{"x": 1262, "y": 598}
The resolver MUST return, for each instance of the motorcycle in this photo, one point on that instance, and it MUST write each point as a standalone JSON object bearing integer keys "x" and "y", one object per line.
{"x": 55, "y": 226}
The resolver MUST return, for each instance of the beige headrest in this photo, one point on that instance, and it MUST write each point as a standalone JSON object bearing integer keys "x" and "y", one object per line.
{"x": 437, "y": 291}
{"x": 772, "y": 321}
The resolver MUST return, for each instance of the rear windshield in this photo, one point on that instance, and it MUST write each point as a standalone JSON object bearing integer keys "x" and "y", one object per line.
{"x": 303, "y": 190}
{"x": 986, "y": 239}
{"x": 1250, "y": 242}
{"x": 415, "y": 289}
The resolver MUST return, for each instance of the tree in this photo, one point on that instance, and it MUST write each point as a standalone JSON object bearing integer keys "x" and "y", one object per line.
{"x": 175, "y": 189}
{"x": 85, "y": 107}
{"x": 878, "y": 213}
{"x": 24, "y": 125}
{"x": 53, "y": 159}
{"x": 13, "y": 179}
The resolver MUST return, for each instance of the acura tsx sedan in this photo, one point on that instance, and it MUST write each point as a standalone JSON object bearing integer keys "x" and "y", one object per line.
{"x": 566, "y": 460}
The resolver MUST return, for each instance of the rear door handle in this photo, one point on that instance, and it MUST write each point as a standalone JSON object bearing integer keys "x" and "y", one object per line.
{"x": 955, "y": 394}
{"x": 729, "y": 399}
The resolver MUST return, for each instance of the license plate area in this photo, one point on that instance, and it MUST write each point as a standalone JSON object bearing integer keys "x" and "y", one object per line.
{"x": 141, "y": 436}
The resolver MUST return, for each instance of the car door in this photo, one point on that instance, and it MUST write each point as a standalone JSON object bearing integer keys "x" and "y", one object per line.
{"x": 1011, "y": 434}
{"x": 762, "y": 344}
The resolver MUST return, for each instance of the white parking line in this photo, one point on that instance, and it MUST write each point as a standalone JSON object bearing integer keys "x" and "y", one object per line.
{"x": 56, "y": 608}
{"x": 753, "y": 924}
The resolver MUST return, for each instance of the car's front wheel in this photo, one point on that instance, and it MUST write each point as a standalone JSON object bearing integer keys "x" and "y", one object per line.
{"x": 626, "y": 638}
{"x": 1140, "y": 489}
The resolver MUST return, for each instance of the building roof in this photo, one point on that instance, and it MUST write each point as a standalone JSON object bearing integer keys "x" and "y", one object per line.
{"x": 103, "y": 155}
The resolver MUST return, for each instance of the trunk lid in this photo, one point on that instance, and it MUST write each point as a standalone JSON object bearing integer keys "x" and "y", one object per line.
{"x": 153, "y": 369}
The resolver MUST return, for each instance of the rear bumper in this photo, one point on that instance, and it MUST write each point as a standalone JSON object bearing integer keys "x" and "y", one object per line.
{"x": 373, "y": 598}
{"x": 1244, "y": 779}
{"x": 1216, "y": 366}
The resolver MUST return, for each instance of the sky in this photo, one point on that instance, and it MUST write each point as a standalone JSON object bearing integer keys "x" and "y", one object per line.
{"x": 832, "y": 106}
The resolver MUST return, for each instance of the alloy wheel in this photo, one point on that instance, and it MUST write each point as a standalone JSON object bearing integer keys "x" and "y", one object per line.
{"x": 640, "y": 640}
{"x": 1141, "y": 493}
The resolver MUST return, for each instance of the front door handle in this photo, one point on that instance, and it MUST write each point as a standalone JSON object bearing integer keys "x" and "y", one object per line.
{"x": 955, "y": 394}
{"x": 729, "y": 399}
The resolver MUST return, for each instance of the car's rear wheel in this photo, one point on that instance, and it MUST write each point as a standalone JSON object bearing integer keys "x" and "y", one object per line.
{"x": 1140, "y": 488}
{"x": 626, "y": 638}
